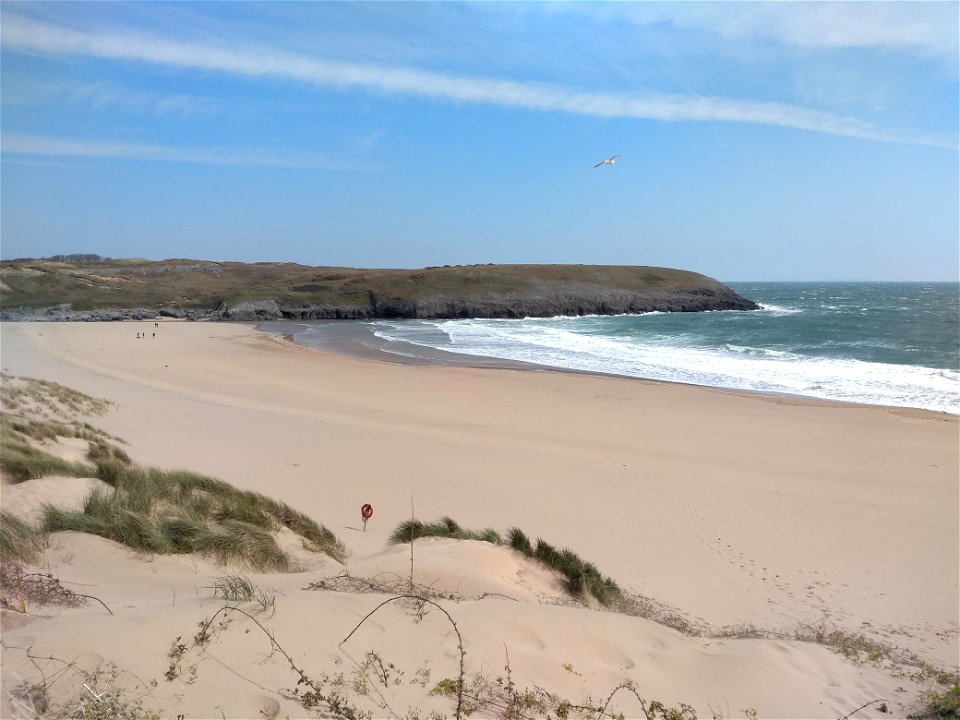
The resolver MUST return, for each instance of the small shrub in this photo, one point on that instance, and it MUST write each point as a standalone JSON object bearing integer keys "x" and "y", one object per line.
{"x": 101, "y": 697}
{"x": 234, "y": 588}
{"x": 237, "y": 588}
{"x": 22, "y": 588}
{"x": 940, "y": 704}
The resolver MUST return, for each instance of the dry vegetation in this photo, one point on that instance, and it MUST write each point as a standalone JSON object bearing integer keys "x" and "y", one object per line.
{"x": 207, "y": 285}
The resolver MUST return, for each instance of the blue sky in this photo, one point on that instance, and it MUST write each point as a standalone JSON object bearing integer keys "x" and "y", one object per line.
{"x": 759, "y": 141}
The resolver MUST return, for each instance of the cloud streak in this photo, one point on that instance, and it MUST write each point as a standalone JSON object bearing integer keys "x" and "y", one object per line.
{"x": 26, "y": 35}
{"x": 927, "y": 29}
{"x": 44, "y": 145}
{"x": 105, "y": 94}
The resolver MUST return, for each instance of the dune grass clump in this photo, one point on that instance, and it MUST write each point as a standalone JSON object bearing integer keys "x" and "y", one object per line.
{"x": 18, "y": 392}
{"x": 238, "y": 588}
{"x": 940, "y": 704}
{"x": 101, "y": 451}
{"x": 518, "y": 540}
{"x": 319, "y": 538}
{"x": 175, "y": 511}
{"x": 146, "y": 509}
{"x": 22, "y": 460}
{"x": 447, "y": 527}
{"x": 584, "y": 580}
{"x": 238, "y": 540}
{"x": 20, "y": 542}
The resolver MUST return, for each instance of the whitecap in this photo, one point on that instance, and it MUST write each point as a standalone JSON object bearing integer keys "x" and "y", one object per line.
{"x": 678, "y": 358}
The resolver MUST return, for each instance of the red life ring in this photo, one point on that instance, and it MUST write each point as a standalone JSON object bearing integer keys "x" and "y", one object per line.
{"x": 366, "y": 511}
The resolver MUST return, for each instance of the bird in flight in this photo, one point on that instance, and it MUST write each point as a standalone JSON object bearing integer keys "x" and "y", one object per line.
{"x": 609, "y": 161}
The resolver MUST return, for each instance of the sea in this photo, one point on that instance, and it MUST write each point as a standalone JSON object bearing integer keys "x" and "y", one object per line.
{"x": 895, "y": 344}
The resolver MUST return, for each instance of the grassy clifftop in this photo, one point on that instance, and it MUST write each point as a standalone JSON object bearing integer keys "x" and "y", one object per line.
{"x": 302, "y": 291}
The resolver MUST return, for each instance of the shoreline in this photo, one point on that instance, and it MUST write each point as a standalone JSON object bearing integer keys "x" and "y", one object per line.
{"x": 354, "y": 338}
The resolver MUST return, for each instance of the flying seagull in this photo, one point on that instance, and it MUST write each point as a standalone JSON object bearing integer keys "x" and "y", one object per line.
{"x": 609, "y": 161}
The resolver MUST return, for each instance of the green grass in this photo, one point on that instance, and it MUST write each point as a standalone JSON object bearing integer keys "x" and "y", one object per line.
{"x": 318, "y": 537}
{"x": 19, "y": 391}
{"x": 175, "y": 511}
{"x": 940, "y": 704}
{"x": 583, "y": 578}
{"x": 146, "y": 509}
{"x": 234, "y": 588}
{"x": 20, "y": 458}
{"x": 201, "y": 284}
{"x": 20, "y": 461}
{"x": 19, "y": 541}
{"x": 101, "y": 451}
{"x": 447, "y": 527}
{"x": 238, "y": 588}
{"x": 240, "y": 541}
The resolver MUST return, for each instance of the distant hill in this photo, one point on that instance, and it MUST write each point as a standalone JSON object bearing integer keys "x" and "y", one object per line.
{"x": 105, "y": 289}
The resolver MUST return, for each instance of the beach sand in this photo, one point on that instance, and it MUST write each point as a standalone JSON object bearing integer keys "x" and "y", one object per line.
{"x": 734, "y": 509}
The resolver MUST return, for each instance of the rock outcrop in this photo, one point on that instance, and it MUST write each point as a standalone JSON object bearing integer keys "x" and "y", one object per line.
{"x": 202, "y": 290}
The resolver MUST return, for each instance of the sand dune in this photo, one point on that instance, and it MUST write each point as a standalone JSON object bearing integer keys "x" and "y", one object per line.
{"x": 733, "y": 509}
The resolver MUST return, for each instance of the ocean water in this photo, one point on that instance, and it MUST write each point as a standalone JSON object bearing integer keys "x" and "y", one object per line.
{"x": 877, "y": 343}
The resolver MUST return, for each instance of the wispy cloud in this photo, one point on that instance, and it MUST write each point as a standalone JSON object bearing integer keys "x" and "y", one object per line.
{"x": 926, "y": 28}
{"x": 44, "y": 145}
{"x": 105, "y": 94}
{"x": 23, "y": 34}
{"x": 921, "y": 28}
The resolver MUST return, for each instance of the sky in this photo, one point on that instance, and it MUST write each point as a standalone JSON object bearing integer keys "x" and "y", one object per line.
{"x": 758, "y": 141}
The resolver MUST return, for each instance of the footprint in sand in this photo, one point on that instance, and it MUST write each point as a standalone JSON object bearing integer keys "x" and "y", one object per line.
{"x": 605, "y": 654}
{"x": 521, "y": 637}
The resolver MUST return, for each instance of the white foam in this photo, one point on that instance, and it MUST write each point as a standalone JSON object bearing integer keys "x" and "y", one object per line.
{"x": 779, "y": 310}
{"x": 679, "y": 359}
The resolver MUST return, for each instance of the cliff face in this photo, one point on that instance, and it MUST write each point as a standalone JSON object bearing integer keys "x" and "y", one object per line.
{"x": 117, "y": 290}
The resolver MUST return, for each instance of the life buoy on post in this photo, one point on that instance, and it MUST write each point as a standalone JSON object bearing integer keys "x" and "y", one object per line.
{"x": 366, "y": 512}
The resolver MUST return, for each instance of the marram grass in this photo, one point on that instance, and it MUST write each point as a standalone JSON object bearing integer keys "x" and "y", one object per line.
{"x": 21, "y": 459}
{"x": 21, "y": 462}
{"x": 447, "y": 527}
{"x": 19, "y": 541}
{"x": 584, "y": 580}
{"x": 147, "y": 509}
{"x": 162, "y": 511}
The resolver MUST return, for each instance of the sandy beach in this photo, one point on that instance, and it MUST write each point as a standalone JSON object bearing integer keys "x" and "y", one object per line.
{"x": 733, "y": 509}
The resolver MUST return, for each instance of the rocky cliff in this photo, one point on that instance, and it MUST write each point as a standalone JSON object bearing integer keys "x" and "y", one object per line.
{"x": 200, "y": 290}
